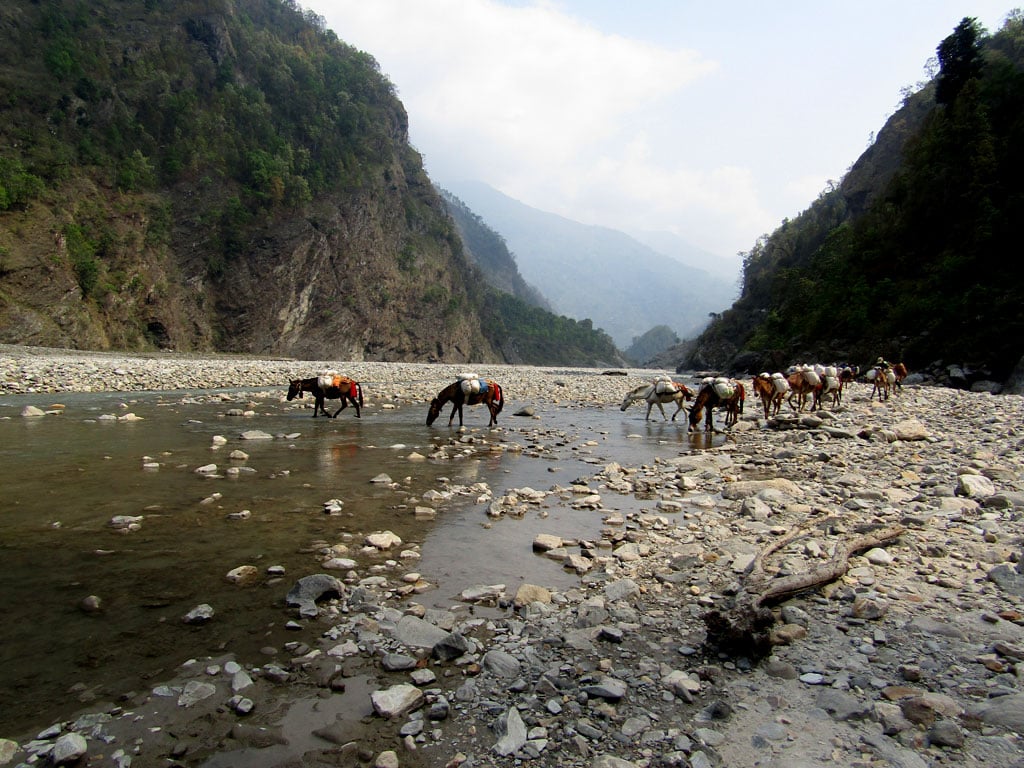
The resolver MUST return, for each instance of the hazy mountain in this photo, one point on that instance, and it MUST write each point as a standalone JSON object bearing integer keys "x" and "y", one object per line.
{"x": 670, "y": 244}
{"x": 585, "y": 271}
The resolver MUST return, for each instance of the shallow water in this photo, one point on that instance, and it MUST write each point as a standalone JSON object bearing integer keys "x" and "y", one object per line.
{"x": 64, "y": 478}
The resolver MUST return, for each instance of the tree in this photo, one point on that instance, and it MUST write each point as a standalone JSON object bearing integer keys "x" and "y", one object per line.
{"x": 959, "y": 60}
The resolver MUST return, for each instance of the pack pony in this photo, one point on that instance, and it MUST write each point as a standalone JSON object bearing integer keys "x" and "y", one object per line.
{"x": 661, "y": 390}
{"x": 772, "y": 389}
{"x": 470, "y": 389}
{"x": 328, "y": 386}
{"x": 721, "y": 392}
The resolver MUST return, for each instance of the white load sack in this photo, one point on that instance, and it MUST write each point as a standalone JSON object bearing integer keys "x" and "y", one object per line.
{"x": 664, "y": 385}
{"x": 811, "y": 377}
{"x": 470, "y": 386}
{"x": 780, "y": 382}
{"x": 326, "y": 379}
{"x": 724, "y": 388}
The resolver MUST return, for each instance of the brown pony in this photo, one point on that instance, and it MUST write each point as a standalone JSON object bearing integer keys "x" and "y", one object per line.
{"x": 900, "y": 371}
{"x": 800, "y": 388}
{"x": 709, "y": 399}
{"x": 491, "y": 396}
{"x": 341, "y": 388}
{"x": 883, "y": 379}
{"x": 771, "y": 397}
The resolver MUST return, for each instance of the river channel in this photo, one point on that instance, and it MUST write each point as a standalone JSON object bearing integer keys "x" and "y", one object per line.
{"x": 66, "y": 477}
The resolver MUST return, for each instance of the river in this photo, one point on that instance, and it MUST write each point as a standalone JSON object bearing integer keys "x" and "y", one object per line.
{"x": 66, "y": 477}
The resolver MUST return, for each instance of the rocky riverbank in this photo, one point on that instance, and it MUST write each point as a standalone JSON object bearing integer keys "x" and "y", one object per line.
{"x": 907, "y": 653}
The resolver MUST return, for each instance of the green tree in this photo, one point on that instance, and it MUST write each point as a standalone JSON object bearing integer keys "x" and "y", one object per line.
{"x": 959, "y": 60}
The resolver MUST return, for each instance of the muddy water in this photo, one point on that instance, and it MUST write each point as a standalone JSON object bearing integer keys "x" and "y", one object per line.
{"x": 63, "y": 478}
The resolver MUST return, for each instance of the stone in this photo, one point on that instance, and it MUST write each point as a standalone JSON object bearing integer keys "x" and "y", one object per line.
{"x": 396, "y": 701}
{"x": 68, "y": 749}
{"x": 511, "y": 732}
{"x": 309, "y": 590}
{"x": 531, "y": 593}
{"x": 974, "y": 486}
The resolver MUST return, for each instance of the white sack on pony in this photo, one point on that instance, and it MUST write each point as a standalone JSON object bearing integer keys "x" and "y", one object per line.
{"x": 326, "y": 379}
{"x": 470, "y": 383}
{"x": 664, "y": 385}
{"x": 724, "y": 388}
{"x": 811, "y": 376}
{"x": 781, "y": 383}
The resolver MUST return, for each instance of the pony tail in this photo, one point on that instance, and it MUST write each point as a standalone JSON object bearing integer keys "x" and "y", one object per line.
{"x": 359, "y": 392}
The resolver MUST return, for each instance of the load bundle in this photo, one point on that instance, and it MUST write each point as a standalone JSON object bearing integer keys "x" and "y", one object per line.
{"x": 326, "y": 379}
{"x": 780, "y": 383}
{"x": 811, "y": 376}
{"x": 725, "y": 388}
{"x": 471, "y": 384}
{"x": 664, "y": 385}
{"x": 831, "y": 379}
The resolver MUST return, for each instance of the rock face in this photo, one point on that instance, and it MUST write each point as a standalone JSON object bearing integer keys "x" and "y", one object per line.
{"x": 348, "y": 257}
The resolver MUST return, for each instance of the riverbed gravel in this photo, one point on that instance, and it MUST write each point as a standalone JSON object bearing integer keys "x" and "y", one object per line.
{"x": 907, "y": 653}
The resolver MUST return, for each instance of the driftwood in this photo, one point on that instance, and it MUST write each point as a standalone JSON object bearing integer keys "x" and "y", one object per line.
{"x": 745, "y": 629}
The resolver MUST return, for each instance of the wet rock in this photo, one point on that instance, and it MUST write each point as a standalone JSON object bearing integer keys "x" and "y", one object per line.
{"x": 309, "y": 590}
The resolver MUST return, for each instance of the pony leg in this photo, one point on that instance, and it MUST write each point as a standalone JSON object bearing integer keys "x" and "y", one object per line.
{"x": 455, "y": 407}
{"x": 679, "y": 407}
{"x": 344, "y": 405}
{"x": 318, "y": 404}
{"x": 662, "y": 409}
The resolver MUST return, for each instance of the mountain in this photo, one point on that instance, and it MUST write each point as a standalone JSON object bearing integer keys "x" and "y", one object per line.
{"x": 488, "y": 250}
{"x": 602, "y": 274}
{"x": 229, "y": 176}
{"x": 705, "y": 262}
{"x": 514, "y": 315}
{"x": 914, "y": 255}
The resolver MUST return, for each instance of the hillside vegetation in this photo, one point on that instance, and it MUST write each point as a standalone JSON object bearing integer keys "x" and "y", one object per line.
{"x": 915, "y": 255}
{"x": 218, "y": 175}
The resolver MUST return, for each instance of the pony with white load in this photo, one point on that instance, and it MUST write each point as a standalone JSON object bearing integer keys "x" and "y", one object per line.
{"x": 469, "y": 389}
{"x": 720, "y": 392}
{"x": 772, "y": 389}
{"x": 659, "y": 392}
{"x": 328, "y": 386}
{"x": 804, "y": 382}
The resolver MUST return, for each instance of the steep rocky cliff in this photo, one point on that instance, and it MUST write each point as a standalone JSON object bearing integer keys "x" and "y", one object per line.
{"x": 217, "y": 176}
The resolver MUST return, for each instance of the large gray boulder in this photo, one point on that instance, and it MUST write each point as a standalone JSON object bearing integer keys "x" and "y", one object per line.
{"x": 1015, "y": 384}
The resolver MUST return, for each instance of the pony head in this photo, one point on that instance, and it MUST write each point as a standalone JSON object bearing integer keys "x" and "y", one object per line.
{"x": 434, "y": 411}
{"x": 295, "y": 389}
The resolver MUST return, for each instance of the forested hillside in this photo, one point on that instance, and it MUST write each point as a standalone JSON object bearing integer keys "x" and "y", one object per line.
{"x": 218, "y": 175}
{"x": 914, "y": 255}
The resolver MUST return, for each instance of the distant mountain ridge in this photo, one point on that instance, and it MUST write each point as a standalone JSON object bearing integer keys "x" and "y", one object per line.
{"x": 586, "y": 271}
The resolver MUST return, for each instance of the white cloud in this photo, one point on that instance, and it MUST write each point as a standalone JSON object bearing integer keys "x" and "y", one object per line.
{"x": 712, "y": 120}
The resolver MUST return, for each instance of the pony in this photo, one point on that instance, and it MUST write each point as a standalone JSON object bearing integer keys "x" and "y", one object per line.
{"x": 468, "y": 391}
{"x": 718, "y": 393}
{"x": 328, "y": 387}
{"x": 831, "y": 386}
{"x": 883, "y": 379}
{"x": 677, "y": 393}
{"x": 899, "y": 370}
{"x": 772, "y": 390}
{"x": 800, "y": 386}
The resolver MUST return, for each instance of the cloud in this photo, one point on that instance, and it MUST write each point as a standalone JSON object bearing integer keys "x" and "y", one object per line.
{"x": 545, "y": 108}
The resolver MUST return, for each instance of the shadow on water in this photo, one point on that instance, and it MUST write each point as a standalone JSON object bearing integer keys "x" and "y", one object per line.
{"x": 66, "y": 477}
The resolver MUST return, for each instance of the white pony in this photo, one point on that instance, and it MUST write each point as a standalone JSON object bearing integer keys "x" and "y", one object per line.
{"x": 662, "y": 390}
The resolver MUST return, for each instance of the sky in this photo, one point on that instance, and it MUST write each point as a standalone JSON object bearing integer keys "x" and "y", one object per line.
{"x": 711, "y": 120}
